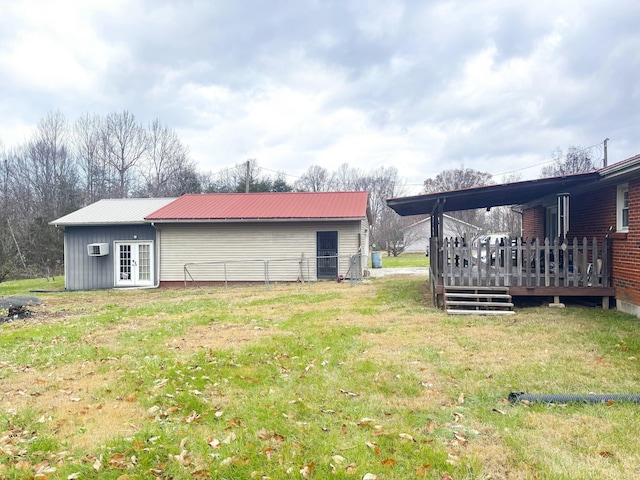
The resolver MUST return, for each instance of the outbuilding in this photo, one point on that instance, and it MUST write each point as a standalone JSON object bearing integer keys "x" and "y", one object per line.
{"x": 212, "y": 238}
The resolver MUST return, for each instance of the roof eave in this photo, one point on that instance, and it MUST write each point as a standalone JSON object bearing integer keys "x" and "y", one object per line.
{"x": 249, "y": 219}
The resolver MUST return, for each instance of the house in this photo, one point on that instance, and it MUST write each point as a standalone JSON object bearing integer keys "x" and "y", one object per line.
{"x": 417, "y": 234}
{"x": 211, "y": 238}
{"x": 591, "y": 224}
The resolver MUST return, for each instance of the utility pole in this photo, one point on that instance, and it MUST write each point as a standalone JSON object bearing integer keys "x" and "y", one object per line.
{"x": 246, "y": 188}
{"x": 605, "y": 152}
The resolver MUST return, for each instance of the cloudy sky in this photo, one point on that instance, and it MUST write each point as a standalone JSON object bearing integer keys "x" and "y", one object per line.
{"x": 424, "y": 86}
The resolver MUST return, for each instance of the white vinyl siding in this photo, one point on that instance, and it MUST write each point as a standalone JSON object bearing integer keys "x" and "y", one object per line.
{"x": 245, "y": 246}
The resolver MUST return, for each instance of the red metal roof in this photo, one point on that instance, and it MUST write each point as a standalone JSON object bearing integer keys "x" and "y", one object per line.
{"x": 259, "y": 206}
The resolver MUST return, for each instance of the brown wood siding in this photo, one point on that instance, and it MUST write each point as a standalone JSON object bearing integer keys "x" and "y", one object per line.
{"x": 245, "y": 247}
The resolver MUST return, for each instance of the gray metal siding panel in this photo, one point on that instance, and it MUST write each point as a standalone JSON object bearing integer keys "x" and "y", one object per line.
{"x": 83, "y": 272}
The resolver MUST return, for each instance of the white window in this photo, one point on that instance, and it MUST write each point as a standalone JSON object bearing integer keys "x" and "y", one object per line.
{"x": 622, "y": 208}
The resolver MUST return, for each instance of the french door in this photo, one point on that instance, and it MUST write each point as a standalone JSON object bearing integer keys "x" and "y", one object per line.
{"x": 134, "y": 264}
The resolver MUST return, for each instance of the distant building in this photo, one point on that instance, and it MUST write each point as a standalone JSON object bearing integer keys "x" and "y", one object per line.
{"x": 417, "y": 235}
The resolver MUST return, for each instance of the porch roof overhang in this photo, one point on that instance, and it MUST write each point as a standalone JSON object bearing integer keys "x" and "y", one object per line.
{"x": 517, "y": 193}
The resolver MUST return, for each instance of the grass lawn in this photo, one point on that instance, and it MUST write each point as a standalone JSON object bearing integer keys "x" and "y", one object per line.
{"x": 404, "y": 260}
{"x": 325, "y": 381}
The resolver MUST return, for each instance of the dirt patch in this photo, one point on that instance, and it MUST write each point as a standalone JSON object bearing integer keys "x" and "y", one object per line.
{"x": 70, "y": 401}
{"x": 219, "y": 336}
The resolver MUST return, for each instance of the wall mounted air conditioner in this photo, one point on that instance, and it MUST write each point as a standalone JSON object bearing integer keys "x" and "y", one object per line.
{"x": 98, "y": 249}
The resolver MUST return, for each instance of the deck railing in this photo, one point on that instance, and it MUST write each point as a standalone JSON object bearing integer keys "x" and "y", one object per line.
{"x": 526, "y": 263}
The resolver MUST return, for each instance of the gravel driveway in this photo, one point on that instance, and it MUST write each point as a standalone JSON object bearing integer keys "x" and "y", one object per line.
{"x": 384, "y": 272}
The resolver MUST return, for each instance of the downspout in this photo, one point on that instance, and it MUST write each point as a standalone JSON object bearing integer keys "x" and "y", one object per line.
{"x": 157, "y": 257}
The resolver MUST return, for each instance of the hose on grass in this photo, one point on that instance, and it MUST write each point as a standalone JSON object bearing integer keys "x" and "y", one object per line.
{"x": 515, "y": 397}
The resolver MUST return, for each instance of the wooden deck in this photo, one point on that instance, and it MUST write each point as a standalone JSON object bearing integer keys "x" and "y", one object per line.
{"x": 530, "y": 267}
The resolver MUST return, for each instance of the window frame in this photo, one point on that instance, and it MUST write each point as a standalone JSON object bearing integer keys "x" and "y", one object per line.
{"x": 622, "y": 207}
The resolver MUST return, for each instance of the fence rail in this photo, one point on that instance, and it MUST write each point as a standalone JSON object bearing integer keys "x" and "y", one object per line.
{"x": 267, "y": 271}
{"x": 527, "y": 263}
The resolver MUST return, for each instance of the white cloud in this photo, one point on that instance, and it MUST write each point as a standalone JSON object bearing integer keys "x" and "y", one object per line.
{"x": 422, "y": 86}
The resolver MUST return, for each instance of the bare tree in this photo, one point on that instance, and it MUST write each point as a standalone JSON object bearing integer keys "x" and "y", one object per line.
{"x": 315, "y": 179}
{"x": 45, "y": 181}
{"x": 124, "y": 142}
{"x": 87, "y": 133}
{"x": 458, "y": 179}
{"x": 577, "y": 160}
{"x": 505, "y": 219}
{"x": 164, "y": 159}
{"x": 8, "y": 251}
{"x": 48, "y": 168}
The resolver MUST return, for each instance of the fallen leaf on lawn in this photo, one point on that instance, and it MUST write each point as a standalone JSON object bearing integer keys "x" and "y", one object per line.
{"x": 75, "y": 399}
{"x": 73, "y": 476}
{"x": 350, "y": 394}
{"x": 422, "y": 470}
{"x": 161, "y": 383}
{"x": 365, "y": 425}
{"x": 457, "y": 417}
{"x": 431, "y": 426}
{"x": 234, "y": 422}
{"x": 193, "y": 418}
{"x": 307, "y": 470}
{"x": 229, "y": 438}
{"x": 130, "y": 398}
{"x": 200, "y": 474}
{"x": 117, "y": 460}
{"x": 374, "y": 447}
{"x": 460, "y": 438}
{"x": 606, "y": 454}
{"x": 446, "y": 476}
{"x": 339, "y": 459}
{"x": 351, "y": 469}
{"x": 214, "y": 443}
{"x": 181, "y": 458}
{"x": 388, "y": 462}
{"x": 406, "y": 436}
{"x": 227, "y": 461}
{"x": 23, "y": 465}
{"x": 461, "y": 399}
{"x": 370, "y": 476}
{"x": 495, "y": 410}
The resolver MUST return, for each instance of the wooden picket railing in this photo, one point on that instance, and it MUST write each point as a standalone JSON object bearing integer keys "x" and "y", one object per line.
{"x": 526, "y": 263}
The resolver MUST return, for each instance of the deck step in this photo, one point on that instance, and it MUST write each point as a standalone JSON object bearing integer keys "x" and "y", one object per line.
{"x": 477, "y": 295}
{"x": 471, "y": 303}
{"x": 468, "y": 288}
{"x": 480, "y": 312}
{"x": 467, "y": 300}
